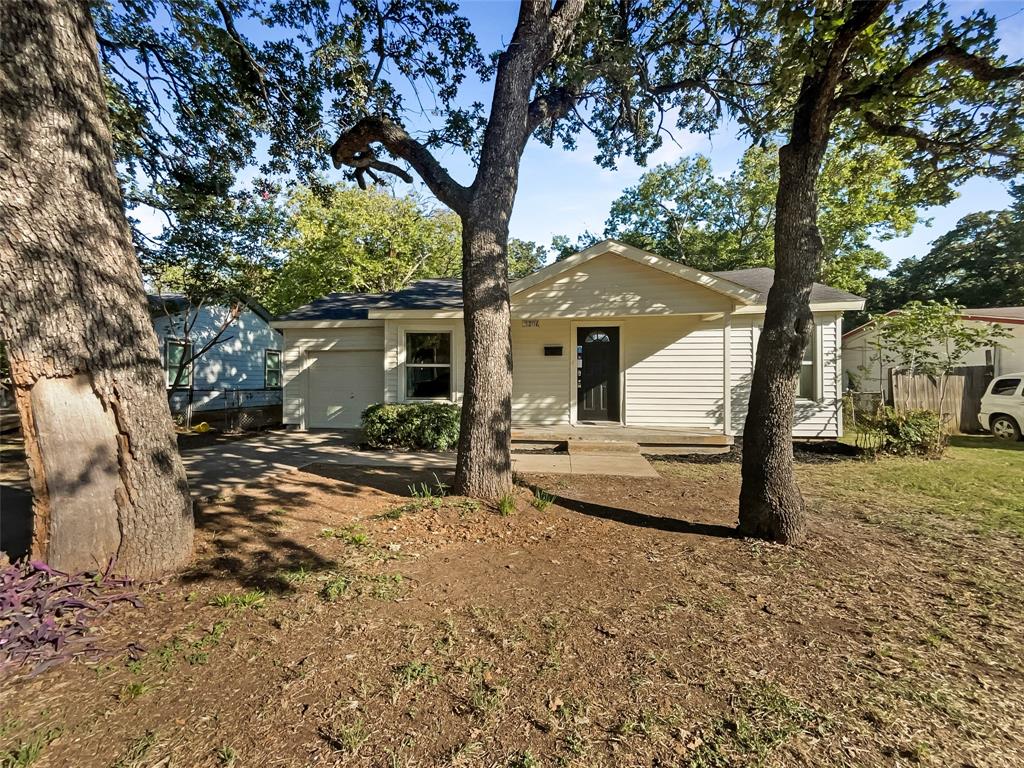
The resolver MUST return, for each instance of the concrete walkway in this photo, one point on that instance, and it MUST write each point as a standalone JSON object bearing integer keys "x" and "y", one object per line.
{"x": 215, "y": 469}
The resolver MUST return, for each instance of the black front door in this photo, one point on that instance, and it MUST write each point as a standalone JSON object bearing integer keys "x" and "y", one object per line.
{"x": 597, "y": 374}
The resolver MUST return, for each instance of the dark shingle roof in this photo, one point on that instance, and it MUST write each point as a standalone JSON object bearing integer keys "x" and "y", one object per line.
{"x": 173, "y": 302}
{"x": 436, "y": 293}
{"x": 337, "y": 306}
{"x": 446, "y": 293}
{"x": 760, "y": 279}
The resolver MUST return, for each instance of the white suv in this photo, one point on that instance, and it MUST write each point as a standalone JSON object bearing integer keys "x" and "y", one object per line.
{"x": 1002, "y": 407}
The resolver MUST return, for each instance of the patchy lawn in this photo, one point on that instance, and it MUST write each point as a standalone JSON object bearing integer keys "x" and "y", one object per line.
{"x": 330, "y": 619}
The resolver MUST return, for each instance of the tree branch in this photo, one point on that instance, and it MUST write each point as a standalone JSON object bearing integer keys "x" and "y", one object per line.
{"x": 254, "y": 67}
{"x": 979, "y": 67}
{"x": 925, "y": 142}
{"x": 353, "y": 148}
{"x": 549, "y": 108}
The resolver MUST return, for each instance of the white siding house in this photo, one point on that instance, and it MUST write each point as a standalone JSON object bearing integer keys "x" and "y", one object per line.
{"x": 863, "y": 371}
{"x": 243, "y": 370}
{"x": 610, "y": 336}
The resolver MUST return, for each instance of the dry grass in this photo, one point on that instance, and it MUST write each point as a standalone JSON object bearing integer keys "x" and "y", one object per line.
{"x": 619, "y": 623}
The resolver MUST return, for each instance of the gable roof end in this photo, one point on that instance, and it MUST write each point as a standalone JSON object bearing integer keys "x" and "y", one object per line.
{"x": 706, "y": 279}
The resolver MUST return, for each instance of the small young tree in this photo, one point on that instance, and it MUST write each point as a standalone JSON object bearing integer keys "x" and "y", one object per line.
{"x": 932, "y": 339}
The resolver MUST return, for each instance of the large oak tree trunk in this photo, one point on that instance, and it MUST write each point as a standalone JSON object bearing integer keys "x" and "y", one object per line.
{"x": 484, "y": 467}
{"x": 771, "y": 506}
{"x": 106, "y": 477}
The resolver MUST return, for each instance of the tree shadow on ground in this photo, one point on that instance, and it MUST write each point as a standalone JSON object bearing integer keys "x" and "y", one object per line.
{"x": 639, "y": 519}
{"x": 397, "y": 481}
{"x": 242, "y": 540}
{"x": 255, "y": 538}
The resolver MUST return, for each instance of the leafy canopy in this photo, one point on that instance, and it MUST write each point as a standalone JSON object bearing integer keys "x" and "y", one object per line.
{"x": 218, "y": 249}
{"x": 199, "y": 90}
{"x": 369, "y": 241}
{"x": 361, "y": 241}
{"x": 930, "y": 338}
{"x": 978, "y": 263}
{"x": 684, "y": 212}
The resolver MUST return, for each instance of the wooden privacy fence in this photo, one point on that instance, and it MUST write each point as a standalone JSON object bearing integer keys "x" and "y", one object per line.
{"x": 961, "y": 399}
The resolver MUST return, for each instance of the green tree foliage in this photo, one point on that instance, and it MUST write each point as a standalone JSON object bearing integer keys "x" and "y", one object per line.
{"x": 684, "y": 212}
{"x": 524, "y": 257}
{"x": 363, "y": 241}
{"x": 978, "y": 263}
{"x": 931, "y": 337}
{"x": 217, "y": 248}
{"x": 194, "y": 97}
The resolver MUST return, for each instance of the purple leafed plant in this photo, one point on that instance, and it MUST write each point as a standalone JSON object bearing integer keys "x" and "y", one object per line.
{"x": 45, "y": 614}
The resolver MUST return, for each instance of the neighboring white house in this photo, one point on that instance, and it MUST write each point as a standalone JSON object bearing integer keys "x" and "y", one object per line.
{"x": 862, "y": 370}
{"x": 243, "y": 370}
{"x": 613, "y": 335}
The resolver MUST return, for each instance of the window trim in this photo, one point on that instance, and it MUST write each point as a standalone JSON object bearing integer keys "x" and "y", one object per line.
{"x": 187, "y": 380}
{"x": 407, "y": 365}
{"x": 280, "y": 368}
{"x": 817, "y": 368}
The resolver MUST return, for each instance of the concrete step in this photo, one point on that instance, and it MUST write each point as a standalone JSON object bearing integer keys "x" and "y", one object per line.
{"x": 579, "y": 445}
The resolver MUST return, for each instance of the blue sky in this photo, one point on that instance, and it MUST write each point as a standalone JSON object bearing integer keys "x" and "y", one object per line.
{"x": 566, "y": 193}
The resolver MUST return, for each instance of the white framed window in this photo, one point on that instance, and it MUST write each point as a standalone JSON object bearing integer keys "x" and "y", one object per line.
{"x": 428, "y": 366}
{"x": 272, "y": 368}
{"x": 807, "y": 382}
{"x": 174, "y": 353}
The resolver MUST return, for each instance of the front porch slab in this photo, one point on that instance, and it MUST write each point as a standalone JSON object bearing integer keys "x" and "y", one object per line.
{"x": 613, "y": 465}
{"x": 650, "y": 439}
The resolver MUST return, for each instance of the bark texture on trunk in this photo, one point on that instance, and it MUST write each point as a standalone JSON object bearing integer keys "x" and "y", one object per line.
{"x": 484, "y": 465}
{"x": 771, "y": 506}
{"x": 106, "y": 476}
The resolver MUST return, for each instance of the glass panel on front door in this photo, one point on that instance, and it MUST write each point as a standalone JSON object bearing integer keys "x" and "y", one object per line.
{"x": 597, "y": 374}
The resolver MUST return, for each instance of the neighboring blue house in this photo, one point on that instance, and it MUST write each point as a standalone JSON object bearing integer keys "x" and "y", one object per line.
{"x": 238, "y": 380}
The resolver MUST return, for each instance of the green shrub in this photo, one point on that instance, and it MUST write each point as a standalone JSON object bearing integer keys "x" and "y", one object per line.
{"x": 903, "y": 433}
{"x": 412, "y": 426}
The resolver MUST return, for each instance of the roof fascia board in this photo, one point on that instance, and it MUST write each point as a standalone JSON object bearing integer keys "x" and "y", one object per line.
{"x": 281, "y": 324}
{"x": 394, "y": 314}
{"x": 821, "y": 306}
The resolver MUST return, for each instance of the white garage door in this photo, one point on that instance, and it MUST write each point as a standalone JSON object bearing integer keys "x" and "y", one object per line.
{"x": 342, "y": 385}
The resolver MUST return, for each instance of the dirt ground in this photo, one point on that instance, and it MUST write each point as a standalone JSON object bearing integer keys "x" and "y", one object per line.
{"x": 330, "y": 619}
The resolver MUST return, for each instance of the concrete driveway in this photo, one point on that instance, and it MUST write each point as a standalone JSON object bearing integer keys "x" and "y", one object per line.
{"x": 215, "y": 469}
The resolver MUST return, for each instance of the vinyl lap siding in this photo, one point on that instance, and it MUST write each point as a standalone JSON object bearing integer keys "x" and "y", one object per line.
{"x": 541, "y": 385}
{"x": 743, "y": 347}
{"x": 234, "y": 364}
{"x": 610, "y": 286}
{"x": 300, "y": 346}
{"x": 812, "y": 418}
{"x": 673, "y": 374}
